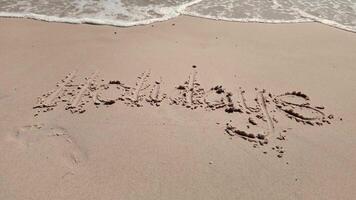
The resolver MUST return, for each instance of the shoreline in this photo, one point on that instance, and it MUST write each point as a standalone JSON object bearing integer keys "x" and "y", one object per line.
{"x": 119, "y": 24}
{"x": 126, "y": 146}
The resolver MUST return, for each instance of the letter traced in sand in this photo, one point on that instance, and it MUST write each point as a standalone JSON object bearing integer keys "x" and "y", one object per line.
{"x": 191, "y": 84}
{"x": 290, "y": 102}
{"x": 244, "y": 102}
{"x": 262, "y": 101}
{"x": 76, "y": 105}
{"x": 155, "y": 97}
{"x": 217, "y": 98}
{"x": 140, "y": 86}
{"x": 49, "y": 101}
{"x": 190, "y": 94}
{"x": 109, "y": 93}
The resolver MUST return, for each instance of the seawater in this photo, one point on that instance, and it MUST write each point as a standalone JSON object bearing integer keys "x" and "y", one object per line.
{"x": 336, "y": 13}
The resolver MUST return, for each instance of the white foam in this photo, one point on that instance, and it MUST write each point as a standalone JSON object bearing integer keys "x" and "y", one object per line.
{"x": 326, "y": 21}
{"x": 340, "y": 14}
{"x": 247, "y": 20}
{"x": 74, "y": 20}
{"x": 166, "y": 12}
{"x": 305, "y": 18}
{"x": 116, "y": 13}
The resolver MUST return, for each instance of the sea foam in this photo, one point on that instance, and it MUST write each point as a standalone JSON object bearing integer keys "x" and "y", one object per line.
{"x": 336, "y": 13}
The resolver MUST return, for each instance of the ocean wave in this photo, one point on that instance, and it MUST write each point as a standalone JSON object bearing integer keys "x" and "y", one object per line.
{"x": 104, "y": 15}
{"x": 336, "y": 13}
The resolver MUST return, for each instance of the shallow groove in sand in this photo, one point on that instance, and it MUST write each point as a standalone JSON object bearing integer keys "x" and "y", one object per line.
{"x": 192, "y": 95}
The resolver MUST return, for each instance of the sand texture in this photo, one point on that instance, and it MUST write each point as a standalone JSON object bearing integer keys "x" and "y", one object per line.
{"x": 184, "y": 109}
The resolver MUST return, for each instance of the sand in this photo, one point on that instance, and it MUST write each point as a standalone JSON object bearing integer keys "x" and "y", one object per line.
{"x": 184, "y": 109}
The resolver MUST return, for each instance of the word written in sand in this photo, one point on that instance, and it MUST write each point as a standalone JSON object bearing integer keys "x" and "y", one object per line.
{"x": 263, "y": 113}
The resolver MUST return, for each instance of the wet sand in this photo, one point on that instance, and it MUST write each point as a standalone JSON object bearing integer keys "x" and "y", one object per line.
{"x": 184, "y": 109}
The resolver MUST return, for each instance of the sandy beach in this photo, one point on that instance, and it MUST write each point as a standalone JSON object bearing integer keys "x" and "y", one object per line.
{"x": 188, "y": 108}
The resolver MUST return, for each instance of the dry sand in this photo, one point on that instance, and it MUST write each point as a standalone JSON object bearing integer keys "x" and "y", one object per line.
{"x": 158, "y": 130}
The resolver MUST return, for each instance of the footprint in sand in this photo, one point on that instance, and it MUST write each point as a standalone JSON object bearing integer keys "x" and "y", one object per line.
{"x": 49, "y": 143}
